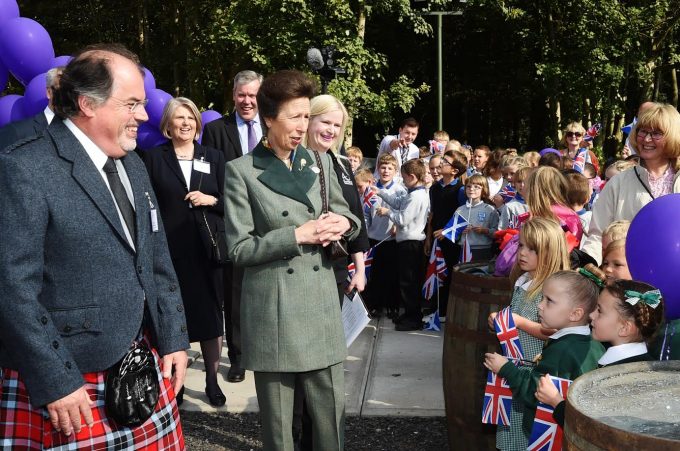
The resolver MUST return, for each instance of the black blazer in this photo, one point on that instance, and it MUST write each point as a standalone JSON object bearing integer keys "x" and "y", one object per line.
{"x": 181, "y": 221}
{"x": 17, "y": 131}
{"x": 222, "y": 134}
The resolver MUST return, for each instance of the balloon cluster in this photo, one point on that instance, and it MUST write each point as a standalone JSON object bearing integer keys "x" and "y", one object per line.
{"x": 26, "y": 52}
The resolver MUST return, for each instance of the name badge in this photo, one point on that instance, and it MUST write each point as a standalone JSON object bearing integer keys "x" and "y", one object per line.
{"x": 346, "y": 180}
{"x": 202, "y": 166}
{"x": 153, "y": 215}
{"x": 481, "y": 216}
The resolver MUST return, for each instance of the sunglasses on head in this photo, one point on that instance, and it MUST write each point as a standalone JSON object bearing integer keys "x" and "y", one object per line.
{"x": 572, "y": 134}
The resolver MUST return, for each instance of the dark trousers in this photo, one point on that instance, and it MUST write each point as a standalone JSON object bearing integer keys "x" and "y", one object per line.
{"x": 233, "y": 278}
{"x": 382, "y": 290}
{"x": 410, "y": 270}
{"x": 451, "y": 253}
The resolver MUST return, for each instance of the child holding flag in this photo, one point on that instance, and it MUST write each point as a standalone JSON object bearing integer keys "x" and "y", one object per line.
{"x": 628, "y": 315}
{"x": 481, "y": 218}
{"x": 568, "y": 299}
{"x": 409, "y": 213}
{"x": 542, "y": 252}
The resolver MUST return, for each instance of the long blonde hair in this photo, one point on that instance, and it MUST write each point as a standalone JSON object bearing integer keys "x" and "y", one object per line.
{"x": 546, "y": 238}
{"x": 546, "y": 187}
{"x": 326, "y": 103}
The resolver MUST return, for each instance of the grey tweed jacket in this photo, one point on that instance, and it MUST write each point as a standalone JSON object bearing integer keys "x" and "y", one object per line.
{"x": 72, "y": 290}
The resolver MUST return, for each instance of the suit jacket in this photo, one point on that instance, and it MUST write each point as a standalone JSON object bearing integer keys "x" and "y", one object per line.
{"x": 181, "y": 222}
{"x": 73, "y": 289}
{"x": 17, "y": 131}
{"x": 290, "y": 317}
{"x": 222, "y": 134}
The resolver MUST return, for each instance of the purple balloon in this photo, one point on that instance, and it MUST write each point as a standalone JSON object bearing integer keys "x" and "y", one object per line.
{"x": 35, "y": 96}
{"x": 149, "y": 81}
{"x": 18, "y": 112}
{"x": 4, "y": 76}
{"x": 25, "y": 48}
{"x": 8, "y": 10}
{"x": 60, "y": 61}
{"x": 157, "y": 101}
{"x": 6, "y": 104}
{"x": 209, "y": 116}
{"x": 653, "y": 249}
{"x": 149, "y": 136}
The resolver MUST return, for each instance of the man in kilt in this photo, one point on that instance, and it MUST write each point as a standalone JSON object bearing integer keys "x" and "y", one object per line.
{"x": 84, "y": 268}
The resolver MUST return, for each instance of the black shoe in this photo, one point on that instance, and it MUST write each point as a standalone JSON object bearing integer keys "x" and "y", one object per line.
{"x": 408, "y": 325}
{"x": 399, "y": 318}
{"x": 216, "y": 398}
{"x": 375, "y": 313}
{"x": 236, "y": 374}
{"x": 392, "y": 313}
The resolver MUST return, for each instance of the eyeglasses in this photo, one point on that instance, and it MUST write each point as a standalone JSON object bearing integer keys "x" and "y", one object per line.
{"x": 444, "y": 163}
{"x": 132, "y": 106}
{"x": 572, "y": 134}
{"x": 655, "y": 134}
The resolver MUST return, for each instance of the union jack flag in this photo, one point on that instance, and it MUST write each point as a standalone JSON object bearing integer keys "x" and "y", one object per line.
{"x": 368, "y": 262}
{"x": 436, "y": 271}
{"x": 580, "y": 160}
{"x": 508, "y": 193}
{"x": 370, "y": 199}
{"x": 592, "y": 132}
{"x": 546, "y": 435}
{"x": 497, "y": 401}
{"x": 508, "y": 335}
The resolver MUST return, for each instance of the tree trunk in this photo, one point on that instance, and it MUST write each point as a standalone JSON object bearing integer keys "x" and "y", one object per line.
{"x": 674, "y": 87}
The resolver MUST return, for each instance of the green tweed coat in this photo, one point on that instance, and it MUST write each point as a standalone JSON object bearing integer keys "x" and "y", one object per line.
{"x": 290, "y": 316}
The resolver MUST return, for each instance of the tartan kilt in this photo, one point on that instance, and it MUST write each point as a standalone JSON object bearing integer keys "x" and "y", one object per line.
{"x": 23, "y": 426}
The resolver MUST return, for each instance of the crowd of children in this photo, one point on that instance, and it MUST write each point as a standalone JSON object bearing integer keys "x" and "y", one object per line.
{"x": 530, "y": 214}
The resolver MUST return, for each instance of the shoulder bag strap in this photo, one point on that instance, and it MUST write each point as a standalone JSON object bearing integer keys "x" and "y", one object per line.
{"x": 322, "y": 183}
{"x": 643, "y": 183}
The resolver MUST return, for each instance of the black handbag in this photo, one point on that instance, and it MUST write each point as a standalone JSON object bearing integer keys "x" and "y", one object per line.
{"x": 132, "y": 388}
{"x": 218, "y": 245}
{"x": 337, "y": 249}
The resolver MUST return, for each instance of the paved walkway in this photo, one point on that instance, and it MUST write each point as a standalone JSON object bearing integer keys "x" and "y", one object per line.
{"x": 387, "y": 373}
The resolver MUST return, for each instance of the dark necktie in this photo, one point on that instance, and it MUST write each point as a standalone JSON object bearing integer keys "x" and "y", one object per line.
{"x": 252, "y": 139}
{"x": 121, "y": 196}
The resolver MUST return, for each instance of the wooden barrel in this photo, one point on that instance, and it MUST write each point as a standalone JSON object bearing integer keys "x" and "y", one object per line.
{"x": 632, "y": 406}
{"x": 467, "y": 337}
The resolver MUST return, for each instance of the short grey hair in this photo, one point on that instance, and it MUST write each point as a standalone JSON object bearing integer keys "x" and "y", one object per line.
{"x": 169, "y": 111}
{"x": 246, "y": 76}
{"x": 52, "y": 76}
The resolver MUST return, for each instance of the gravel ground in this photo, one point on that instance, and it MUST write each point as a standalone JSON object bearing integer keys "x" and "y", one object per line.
{"x": 240, "y": 432}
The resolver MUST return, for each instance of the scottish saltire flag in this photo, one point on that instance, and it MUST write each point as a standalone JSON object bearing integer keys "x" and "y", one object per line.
{"x": 434, "y": 323}
{"x": 508, "y": 335}
{"x": 370, "y": 199}
{"x": 497, "y": 401}
{"x": 507, "y": 193}
{"x": 546, "y": 434}
{"x": 465, "y": 252}
{"x": 368, "y": 262}
{"x": 580, "y": 160}
{"x": 432, "y": 278}
{"x": 455, "y": 227}
{"x": 592, "y": 132}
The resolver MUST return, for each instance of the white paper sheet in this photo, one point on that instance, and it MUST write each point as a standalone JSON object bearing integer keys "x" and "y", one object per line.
{"x": 354, "y": 317}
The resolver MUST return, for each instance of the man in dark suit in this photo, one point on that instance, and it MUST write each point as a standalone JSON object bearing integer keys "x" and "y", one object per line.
{"x": 84, "y": 267}
{"x": 236, "y": 135}
{"x": 16, "y": 131}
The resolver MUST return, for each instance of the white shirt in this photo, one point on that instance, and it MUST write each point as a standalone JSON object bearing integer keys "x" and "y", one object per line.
{"x": 524, "y": 281}
{"x": 49, "y": 115}
{"x": 186, "y": 166}
{"x": 409, "y": 153}
{"x": 243, "y": 131}
{"x": 99, "y": 158}
{"x": 620, "y": 352}
{"x": 576, "y": 330}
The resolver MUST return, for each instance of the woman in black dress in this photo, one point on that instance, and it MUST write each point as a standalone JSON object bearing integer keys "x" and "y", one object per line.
{"x": 188, "y": 180}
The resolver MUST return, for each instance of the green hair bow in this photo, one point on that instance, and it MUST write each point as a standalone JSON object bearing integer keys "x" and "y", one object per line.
{"x": 585, "y": 273}
{"x": 651, "y": 298}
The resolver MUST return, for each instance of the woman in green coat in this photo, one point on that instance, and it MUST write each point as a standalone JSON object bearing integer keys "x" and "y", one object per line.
{"x": 291, "y": 325}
